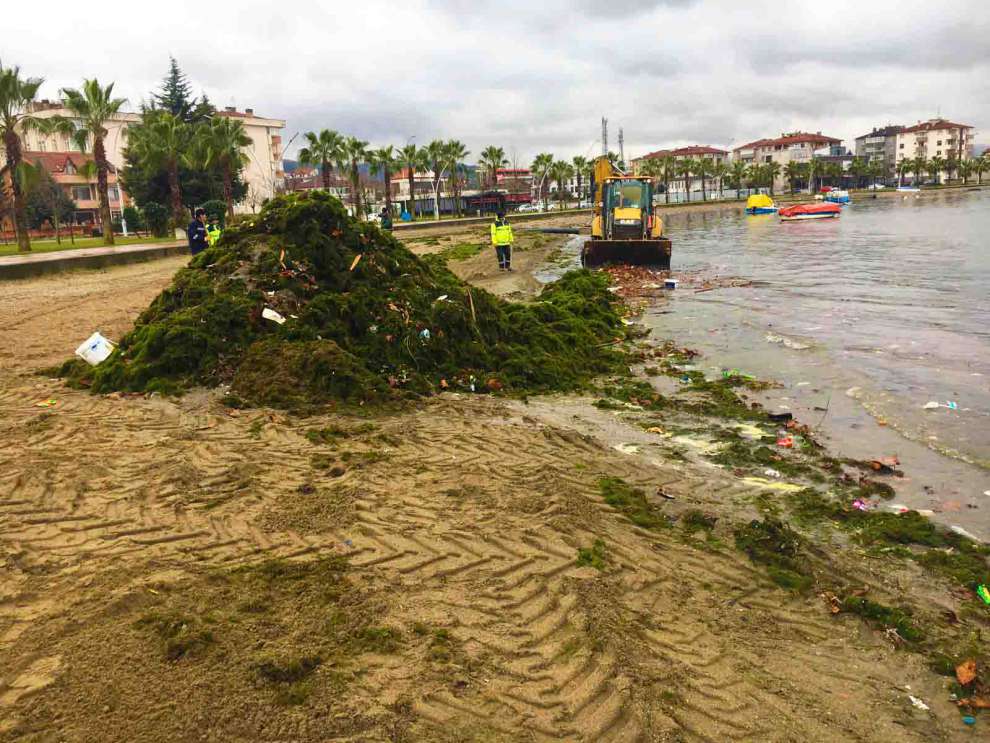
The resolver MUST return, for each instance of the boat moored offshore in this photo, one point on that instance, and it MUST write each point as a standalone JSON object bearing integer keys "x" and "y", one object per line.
{"x": 798, "y": 212}
{"x": 837, "y": 196}
{"x": 760, "y": 203}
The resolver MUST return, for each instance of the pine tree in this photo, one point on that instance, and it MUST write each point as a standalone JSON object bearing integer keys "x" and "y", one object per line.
{"x": 175, "y": 94}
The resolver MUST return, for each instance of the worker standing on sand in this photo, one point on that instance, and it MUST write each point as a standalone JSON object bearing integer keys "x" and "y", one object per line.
{"x": 502, "y": 240}
{"x": 196, "y": 232}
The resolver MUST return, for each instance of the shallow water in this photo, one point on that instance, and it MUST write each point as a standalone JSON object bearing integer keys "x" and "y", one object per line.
{"x": 864, "y": 319}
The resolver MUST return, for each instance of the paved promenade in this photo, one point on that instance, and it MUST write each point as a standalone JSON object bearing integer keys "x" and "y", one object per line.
{"x": 34, "y": 264}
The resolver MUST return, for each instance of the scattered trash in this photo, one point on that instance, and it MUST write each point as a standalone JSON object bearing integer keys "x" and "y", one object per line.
{"x": 780, "y": 417}
{"x": 931, "y": 405}
{"x": 834, "y": 605}
{"x": 861, "y": 505}
{"x": 425, "y": 334}
{"x": 269, "y": 314}
{"x": 441, "y": 298}
{"x": 963, "y": 533}
{"x": 984, "y": 593}
{"x": 918, "y": 703}
{"x": 969, "y": 720}
{"x": 966, "y": 672}
{"x": 664, "y": 494}
{"x": 655, "y": 429}
{"x": 95, "y": 349}
{"x": 898, "y": 507}
{"x": 686, "y": 379}
{"x": 788, "y": 342}
{"x": 952, "y": 405}
{"x": 357, "y": 259}
{"x": 626, "y": 448}
{"x": 49, "y": 403}
{"x": 769, "y": 472}
{"x": 786, "y": 442}
{"x": 670, "y": 283}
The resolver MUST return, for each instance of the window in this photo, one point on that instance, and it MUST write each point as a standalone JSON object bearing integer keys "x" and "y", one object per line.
{"x": 939, "y": 143}
{"x": 112, "y": 193}
{"x": 901, "y": 145}
{"x": 70, "y": 168}
{"x": 81, "y": 193}
{"x": 42, "y": 145}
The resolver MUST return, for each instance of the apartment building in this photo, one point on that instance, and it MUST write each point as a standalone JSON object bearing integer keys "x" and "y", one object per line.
{"x": 713, "y": 155}
{"x": 789, "y": 147}
{"x": 936, "y": 138}
{"x": 880, "y": 145}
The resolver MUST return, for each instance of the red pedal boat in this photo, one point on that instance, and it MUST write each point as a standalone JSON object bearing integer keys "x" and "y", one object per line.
{"x": 809, "y": 211}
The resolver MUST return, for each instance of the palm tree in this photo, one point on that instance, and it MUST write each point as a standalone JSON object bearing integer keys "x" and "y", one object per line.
{"x": 322, "y": 150}
{"x": 412, "y": 158}
{"x": 980, "y": 165}
{"x": 792, "y": 171}
{"x": 437, "y": 157}
{"x": 754, "y": 175}
{"x": 685, "y": 168}
{"x": 540, "y": 169}
{"x": 951, "y": 165}
{"x": 857, "y": 169}
{"x": 93, "y": 106}
{"x": 918, "y": 166}
{"x": 581, "y": 168}
{"x": 770, "y": 171}
{"x": 737, "y": 174}
{"x": 719, "y": 171}
{"x": 223, "y": 142}
{"x": 455, "y": 154}
{"x": 703, "y": 169}
{"x": 965, "y": 170}
{"x": 382, "y": 162}
{"x": 561, "y": 171}
{"x": 492, "y": 158}
{"x": 16, "y": 96}
{"x": 875, "y": 170}
{"x": 668, "y": 172}
{"x": 353, "y": 152}
{"x": 162, "y": 142}
{"x": 903, "y": 168}
{"x": 935, "y": 167}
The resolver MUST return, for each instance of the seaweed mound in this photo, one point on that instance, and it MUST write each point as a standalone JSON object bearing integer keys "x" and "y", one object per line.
{"x": 364, "y": 320}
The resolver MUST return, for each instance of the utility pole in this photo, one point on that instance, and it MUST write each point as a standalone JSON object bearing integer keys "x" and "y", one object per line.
{"x": 604, "y": 137}
{"x": 622, "y": 150}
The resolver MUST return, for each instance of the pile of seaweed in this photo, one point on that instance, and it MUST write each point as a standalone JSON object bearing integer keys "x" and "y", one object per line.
{"x": 363, "y": 319}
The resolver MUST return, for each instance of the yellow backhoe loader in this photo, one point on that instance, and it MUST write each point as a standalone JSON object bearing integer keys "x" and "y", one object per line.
{"x": 625, "y": 227}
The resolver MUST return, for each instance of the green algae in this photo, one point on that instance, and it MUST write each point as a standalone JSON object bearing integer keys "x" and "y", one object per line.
{"x": 779, "y": 548}
{"x": 886, "y": 617}
{"x": 365, "y": 320}
{"x": 593, "y": 556}
{"x": 632, "y": 503}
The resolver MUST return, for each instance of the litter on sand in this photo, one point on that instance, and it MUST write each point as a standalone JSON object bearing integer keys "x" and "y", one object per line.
{"x": 269, "y": 314}
{"x": 966, "y": 672}
{"x": 772, "y": 473}
{"x": 49, "y": 403}
{"x": 357, "y": 259}
{"x": 984, "y": 593}
{"x": 786, "y": 442}
{"x": 918, "y": 703}
{"x": 95, "y": 349}
{"x": 931, "y": 405}
{"x": 963, "y": 533}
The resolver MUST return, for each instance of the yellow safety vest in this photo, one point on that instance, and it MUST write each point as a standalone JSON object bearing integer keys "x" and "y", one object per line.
{"x": 501, "y": 234}
{"x": 212, "y": 235}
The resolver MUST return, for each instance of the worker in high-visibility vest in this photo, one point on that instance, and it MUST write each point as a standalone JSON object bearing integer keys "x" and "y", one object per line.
{"x": 213, "y": 232}
{"x": 502, "y": 240}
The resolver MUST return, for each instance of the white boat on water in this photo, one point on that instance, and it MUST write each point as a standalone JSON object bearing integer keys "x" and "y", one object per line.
{"x": 908, "y": 189}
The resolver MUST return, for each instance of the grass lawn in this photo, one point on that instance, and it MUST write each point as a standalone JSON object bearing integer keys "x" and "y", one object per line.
{"x": 46, "y": 246}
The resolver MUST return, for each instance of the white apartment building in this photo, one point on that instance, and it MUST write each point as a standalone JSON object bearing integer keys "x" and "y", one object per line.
{"x": 263, "y": 173}
{"x": 679, "y": 185}
{"x": 936, "y": 138}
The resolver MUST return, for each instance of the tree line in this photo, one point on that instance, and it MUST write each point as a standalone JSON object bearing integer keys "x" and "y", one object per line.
{"x": 179, "y": 155}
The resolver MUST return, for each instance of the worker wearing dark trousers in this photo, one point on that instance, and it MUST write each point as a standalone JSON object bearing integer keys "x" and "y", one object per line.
{"x": 196, "y": 232}
{"x": 502, "y": 240}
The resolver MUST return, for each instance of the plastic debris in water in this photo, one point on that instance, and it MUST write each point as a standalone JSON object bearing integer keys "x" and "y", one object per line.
{"x": 772, "y": 473}
{"x": 969, "y": 720}
{"x": 269, "y": 314}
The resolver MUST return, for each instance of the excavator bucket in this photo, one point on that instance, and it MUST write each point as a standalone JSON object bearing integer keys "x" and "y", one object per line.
{"x": 654, "y": 253}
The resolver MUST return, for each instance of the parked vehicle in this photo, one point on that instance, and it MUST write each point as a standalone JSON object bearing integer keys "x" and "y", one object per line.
{"x": 528, "y": 208}
{"x": 875, "y": 187}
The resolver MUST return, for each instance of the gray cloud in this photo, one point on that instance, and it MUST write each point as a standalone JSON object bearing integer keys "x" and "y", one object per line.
{"x": 538, "y": 76}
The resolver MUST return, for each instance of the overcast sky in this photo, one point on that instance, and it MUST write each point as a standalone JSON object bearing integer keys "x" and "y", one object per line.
{"x": 535, "y": 75}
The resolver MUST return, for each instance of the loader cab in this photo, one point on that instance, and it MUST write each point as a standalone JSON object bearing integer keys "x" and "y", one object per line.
{"x": 628, "y": 203}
